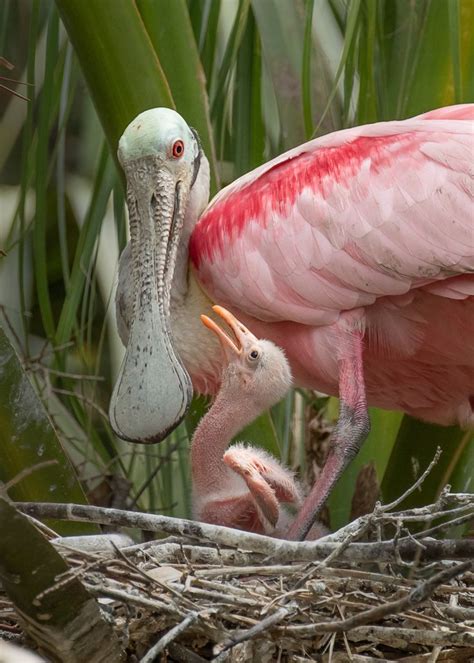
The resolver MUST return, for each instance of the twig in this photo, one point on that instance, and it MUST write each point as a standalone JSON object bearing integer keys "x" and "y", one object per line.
{"x": 420, "y": 514}
{"x": 466, "y": 614}
{"x": 258, "y": 629}
{"x": 34, "y": 367}
{"x": 149, "y": 578}
{"x": 279, "y": 549}
{"x": 177, "y": 553}
{"x": 443, "y": 526}
{"x": 26, "y": 473}
{"x": 415, "y": 597}
{"x": 232, "y": 571}
{"x": 399, "y": 637}
{"x": 84, "y": 399}
{"x": 360, "y": 525}
{"x": 427, "y": 513}
{"x": 169, "y": 637}
{"x": 149, "y": 479}
{"x": 416, "y": 485}
{"x": 128, "y": 597}
{"x": 181, "y": 654}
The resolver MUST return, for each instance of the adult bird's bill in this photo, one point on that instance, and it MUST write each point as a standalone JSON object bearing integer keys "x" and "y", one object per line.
{"x": 153, "y": 384}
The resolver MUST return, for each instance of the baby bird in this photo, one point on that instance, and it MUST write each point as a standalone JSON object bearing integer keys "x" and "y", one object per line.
{"x": 242, "y": 486}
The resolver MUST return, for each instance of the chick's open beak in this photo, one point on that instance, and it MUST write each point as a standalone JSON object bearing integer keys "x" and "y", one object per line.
{"x": 243, "y": 336}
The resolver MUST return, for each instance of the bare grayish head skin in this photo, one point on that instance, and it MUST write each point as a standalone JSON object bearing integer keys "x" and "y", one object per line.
{"x": 160, "y": 156}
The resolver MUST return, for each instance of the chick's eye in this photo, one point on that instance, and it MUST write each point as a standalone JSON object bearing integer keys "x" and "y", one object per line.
{"x": 178, "y": 149}
{"x": 253, "y": 355}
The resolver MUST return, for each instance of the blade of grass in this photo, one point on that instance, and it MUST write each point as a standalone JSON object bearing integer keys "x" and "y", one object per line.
{"x": 460, "y": 476}
{"x": 467, "y": 49}
{"x": 206, "y": 35}
{"x": 5, "y": 11}
{"x": 248, "y": 137}
{"x": 381, "y": 71}
{"x": 282, "y": 416}
{"x": 418, "y": 93}
{"x": 402, "y": 52}
{"x": 61, "y": 167}
{"x": 327, "y": 44}
{"x": 26, "y": 143}
{"x": 15, "y": 113}
{"x": 123, "y": 81}
{"x": 306, "y": 70}
{"x": 455, "y": 43}
{"x": 367, "y": 111}
{"x": 184, "y": 475}
{"x": 27, "y": 438}
{"x": 229, "y": 59}
{"x": 281, "y": 30}
{"x": 103, "y": 186}
{"x": 352, "y": 25}
{"x": 221, "y": 91}
{"x": 42, "y": 159}
{"x": 170, "y": 31}
{"x": 351, "y": 74}
{"x": 456, "y": 475}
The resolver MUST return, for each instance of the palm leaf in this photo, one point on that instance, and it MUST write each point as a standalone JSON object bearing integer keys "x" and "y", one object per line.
{"x": 27, "y": 439}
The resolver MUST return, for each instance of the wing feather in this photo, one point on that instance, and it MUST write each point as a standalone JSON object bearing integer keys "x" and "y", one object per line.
{"x": 343, "y": 220}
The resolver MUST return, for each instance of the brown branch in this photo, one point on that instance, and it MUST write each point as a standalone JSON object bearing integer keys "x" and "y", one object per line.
{"x": 172, "y": 634}
{"x": 416, "y": 485}
{"x": 181, "y": 654}
{"x": 400, "y": 637}
{"x": 417, "y": 596}
{"x": 279, "y": 549}
{"x": 258, "y": 629}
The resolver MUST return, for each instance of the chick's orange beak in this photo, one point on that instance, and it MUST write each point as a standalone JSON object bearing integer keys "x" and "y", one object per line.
{"x": 241, "y": 333}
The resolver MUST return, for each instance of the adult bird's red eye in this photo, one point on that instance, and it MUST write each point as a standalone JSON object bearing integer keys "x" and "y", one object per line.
{"x": 178, "y": 149}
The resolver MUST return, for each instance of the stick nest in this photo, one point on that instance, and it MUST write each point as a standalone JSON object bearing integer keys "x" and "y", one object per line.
{"x": 381, "y": 588}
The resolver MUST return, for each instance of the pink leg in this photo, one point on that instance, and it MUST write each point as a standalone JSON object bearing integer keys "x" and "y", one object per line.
{"x": 268, "y": 482}
{"x": 351, "y": 430}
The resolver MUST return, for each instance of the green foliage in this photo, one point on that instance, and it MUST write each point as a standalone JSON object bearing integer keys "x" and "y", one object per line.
{"x": 29, "y": 442}
{"x": 62, "y": 617}
{"x": 253, "y": 78}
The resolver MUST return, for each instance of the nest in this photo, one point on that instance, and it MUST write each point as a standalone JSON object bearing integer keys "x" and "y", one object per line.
{"x": 382, "y": 588}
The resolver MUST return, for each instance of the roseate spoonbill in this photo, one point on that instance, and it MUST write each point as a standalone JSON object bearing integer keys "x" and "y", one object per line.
{"x": 243, "y": 486}
{"x": 353, "y": 252}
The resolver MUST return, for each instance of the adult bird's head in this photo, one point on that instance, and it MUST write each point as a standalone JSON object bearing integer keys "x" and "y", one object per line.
{"x": 161, "y": 157}
{"x": 256, "y": 370}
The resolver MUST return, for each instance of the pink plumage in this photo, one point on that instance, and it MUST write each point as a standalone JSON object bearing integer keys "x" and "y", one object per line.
{"x": 367, "y": 229}
{"x": 242, "y": 486}
{"x": 353, "y": 252}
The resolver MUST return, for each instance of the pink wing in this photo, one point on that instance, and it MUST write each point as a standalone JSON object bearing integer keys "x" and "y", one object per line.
{"x": 345, "y": 219}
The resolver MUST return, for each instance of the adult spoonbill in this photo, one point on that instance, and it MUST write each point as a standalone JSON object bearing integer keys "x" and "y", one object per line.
{"x": 243, "y": 486}
{"x": 353, "y": 252}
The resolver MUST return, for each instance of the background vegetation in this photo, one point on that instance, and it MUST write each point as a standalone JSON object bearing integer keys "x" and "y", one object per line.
{"x": 255, "y": 77}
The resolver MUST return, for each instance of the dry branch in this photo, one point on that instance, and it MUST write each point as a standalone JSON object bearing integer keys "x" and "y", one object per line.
{"x": 279, "y": 550}
{"x": 209, "y": 591}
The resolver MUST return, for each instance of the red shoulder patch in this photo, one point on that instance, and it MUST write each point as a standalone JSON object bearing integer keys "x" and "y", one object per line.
{"x": 276, "y": 190}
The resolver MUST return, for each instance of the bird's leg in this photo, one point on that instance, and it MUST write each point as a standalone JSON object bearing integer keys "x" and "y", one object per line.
{"x": 268, "y": 482}
{"x": 350, "y": 432}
